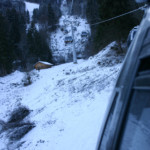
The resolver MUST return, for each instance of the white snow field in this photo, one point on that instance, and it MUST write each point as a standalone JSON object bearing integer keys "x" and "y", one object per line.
{"x": 30, "y": 7}
{"x": 68, "y": 103}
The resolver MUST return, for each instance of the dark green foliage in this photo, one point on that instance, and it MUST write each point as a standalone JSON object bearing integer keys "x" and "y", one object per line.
{"x": 16, "y": 24}
{"x": 43, "y": 11}
{"x": 19, "y": 45}
{"x": 38, "y": 47}
{"x": 46, "y": 16}
{"x": 92, "y": 11}
{"x": 27, "y": 17}
{"x": 5, "y": 48}
{"x": 51, "y": 17}
{"x": 30, "y": 38}
{"x": 92, "y": 16}
{"x": 35, "y": 16}
{"x": 118, "y": 29}
{"x": 12, "y": 30}
{"x": 34, "y": 1}
{"x": 18, "y": 114}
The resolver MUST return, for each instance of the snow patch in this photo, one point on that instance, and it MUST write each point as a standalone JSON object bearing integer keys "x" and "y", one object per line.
{"x": 30, "y": 7}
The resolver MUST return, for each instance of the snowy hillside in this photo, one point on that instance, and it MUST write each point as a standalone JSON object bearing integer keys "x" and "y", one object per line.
{"x": 61, "y": 49}
{"x": 58, "y": 44}
{"x": 73, "y": 27}
{"x": 68, "y": 103}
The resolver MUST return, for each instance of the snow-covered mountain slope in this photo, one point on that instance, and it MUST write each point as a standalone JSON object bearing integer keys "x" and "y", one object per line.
{"x": 60, "y": 48}
{"x": 69, "y": 27}
{"x": 68, "y": 102}
{"x": 30, "y": 7}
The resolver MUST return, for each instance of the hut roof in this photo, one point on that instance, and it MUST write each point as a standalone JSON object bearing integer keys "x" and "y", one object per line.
{"x": 44, "y": 62}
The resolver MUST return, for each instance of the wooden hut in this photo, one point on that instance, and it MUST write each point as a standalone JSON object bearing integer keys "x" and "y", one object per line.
{"x": 42, "y": 65}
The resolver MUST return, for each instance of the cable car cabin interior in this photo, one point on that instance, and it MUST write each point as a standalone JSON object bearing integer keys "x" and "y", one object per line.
{"x": 127, "y": 125}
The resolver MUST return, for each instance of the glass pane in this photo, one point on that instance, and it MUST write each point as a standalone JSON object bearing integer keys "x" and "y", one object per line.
{"x": 108, "y": 128}
{"x": 137, "y": 131}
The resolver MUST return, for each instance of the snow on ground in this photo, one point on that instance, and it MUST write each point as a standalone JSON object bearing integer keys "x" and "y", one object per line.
{"x": 68, "y": 102}
{"x": 57, "y": 43}
{"x": 30, "y": 7}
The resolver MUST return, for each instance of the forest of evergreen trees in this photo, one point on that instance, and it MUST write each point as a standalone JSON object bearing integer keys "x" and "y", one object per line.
{"x": 21, "y": 48}
{"x": 115, "y": 30}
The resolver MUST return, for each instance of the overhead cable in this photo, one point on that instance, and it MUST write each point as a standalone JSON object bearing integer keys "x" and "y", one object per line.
{"x": 107, "y": 20}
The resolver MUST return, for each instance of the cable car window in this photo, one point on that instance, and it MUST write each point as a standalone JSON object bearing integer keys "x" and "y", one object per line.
{"x": 136, "y": 134}
{"x": 144, "y": 66}
{"x": 147, "y": 38}
{"x": 107, "y": 129}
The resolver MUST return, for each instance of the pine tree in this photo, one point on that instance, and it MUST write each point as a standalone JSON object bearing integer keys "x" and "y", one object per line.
{"x": 30, "y": 41}
{"x": 118, "y": 29}
{"x": 27, "y": 17}
{"x": 91, "y": 11}
{"x": 35, "y": 16}
{"x": 38, "y": 47}
{"x": 45, "y": 52}
{"x": 51, "y": 17}
{"x": 15, "y": 29}
{"x": 5, "y": 49}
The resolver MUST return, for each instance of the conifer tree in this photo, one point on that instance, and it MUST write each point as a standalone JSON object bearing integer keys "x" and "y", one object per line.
{"x": 27, "y": 17}
{"x": 35, "y": 16}
{"x": 51, "y": 17}
{"x": 14, "y": 30}
{"x": 117, "y": 29}
{"x": 5, "y": 49}
{"x": 30, "y": 40}
{"x": 38, "y": 47}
